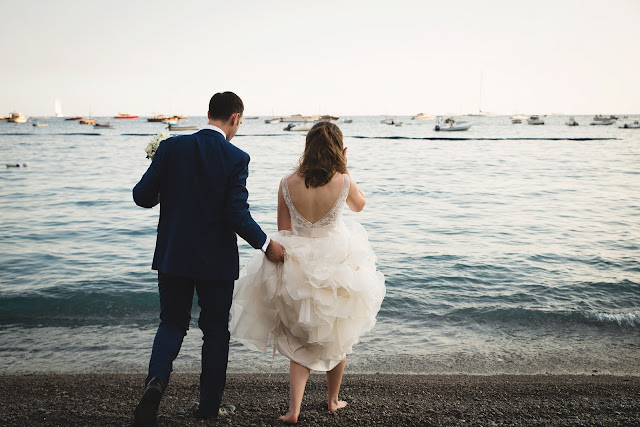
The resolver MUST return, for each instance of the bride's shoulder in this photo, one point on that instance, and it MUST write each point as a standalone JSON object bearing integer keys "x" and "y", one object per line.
{"x": 291, "y": 176}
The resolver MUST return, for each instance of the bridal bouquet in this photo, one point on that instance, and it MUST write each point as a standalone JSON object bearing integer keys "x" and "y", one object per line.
{"x": 154, "y": 143}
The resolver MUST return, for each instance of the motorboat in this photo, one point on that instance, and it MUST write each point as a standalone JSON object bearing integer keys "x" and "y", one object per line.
{"x": 634, "y": 125}
{"x": 125, "y": 116}
{"x": 347, "y": 121}
{"x": 105, "y": 125}
{"x": 40, "y": 124}
{"x": 251, "y": 117}
{"x": 572, "y": 122}
{"x": 516, "y": 121}
{"x": 423, "y": 116}
{"x": 601, "y": 118}
{"x": 158, "y": 118}
{"x": 292, "y": 127}
{"x": 328, "y": 118}
{"x": 273, "y": 120}
{"x": 183, "y": 127}
{"x": 17, "y": 118}
{"x": 300, "y": 118}
{"x": 68, "y": 119}
{"x": 171, "y": 120}
{"x": 603, "y": 122}
{"x": 89, "y": 121}
{"x": 387, "y": 121}
{"x": 399, "y": 123}
{"x": 535, "y": 120}
{"x": 451, "y": 125}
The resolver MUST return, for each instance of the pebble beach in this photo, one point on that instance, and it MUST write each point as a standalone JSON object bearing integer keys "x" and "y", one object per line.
{"x": 374, "y": 399}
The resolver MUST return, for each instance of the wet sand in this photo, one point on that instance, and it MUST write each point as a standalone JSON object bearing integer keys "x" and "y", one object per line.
{"x": 399, "y": 400}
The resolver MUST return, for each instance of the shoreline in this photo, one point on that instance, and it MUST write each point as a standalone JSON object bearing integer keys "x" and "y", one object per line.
{"x": 374, "y": 399}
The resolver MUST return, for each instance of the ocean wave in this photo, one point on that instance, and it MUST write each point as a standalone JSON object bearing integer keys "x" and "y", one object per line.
{"x": 622, "y": 319}
{"x": 536, "y": 317}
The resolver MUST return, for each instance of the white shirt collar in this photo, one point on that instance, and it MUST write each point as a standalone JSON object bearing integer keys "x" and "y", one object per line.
{"x": 216, "y": 128}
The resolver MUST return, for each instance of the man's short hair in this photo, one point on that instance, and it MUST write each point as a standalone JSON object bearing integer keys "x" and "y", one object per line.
{"x": 224, "y": 104}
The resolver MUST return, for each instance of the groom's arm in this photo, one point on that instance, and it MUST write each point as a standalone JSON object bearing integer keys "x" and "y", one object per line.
{"x": 238, "y": 209}
{"x": 146, "y": 193}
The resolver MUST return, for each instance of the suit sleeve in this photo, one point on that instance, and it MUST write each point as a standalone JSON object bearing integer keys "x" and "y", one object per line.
{"x": 146, "y": 193}
{"x": 238, "y": 208}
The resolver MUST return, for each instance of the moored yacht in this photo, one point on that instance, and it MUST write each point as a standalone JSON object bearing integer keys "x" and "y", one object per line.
{"x": 451, "y": 125}
{"x": 572, "y": 122}
{"x": 535, "y": 120}
{"x": 17, "y": 118}
{"x": 300, "y": 118}
{"x": 634, "y": 125}
{"x": 423, "y": 116}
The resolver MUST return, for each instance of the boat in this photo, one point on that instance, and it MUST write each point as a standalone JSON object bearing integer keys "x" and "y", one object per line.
{"x": 347, "y": 121}
{"x": 535, "y": 120}
{"x": 516, "y": 121}
{"x": 17, "y": 118}
{"x": 171, "y": 120}
{"x": 399, "y": 123}
{"x": 125, "y": 116}
{"x": 572, "y": 122}
{"x": 451, "y": 125}
{"x": 105, "y": 125}
{"x": 251, "y": 118}
{"x": 608, "y": 122}
{"x": 601, "y": 118}
{"x": 68, "y": 119}
{"x": 300, "y": 118}
{"x": 298, "y": 127}
{"x": 388, "y": 121}
{"x": 40, "y": 124}
{"x": 183, "y": 127}
{"x": 88, "y": 121}
{"x": 423, "y": 116}
{"x": 274, "y": 120}
{"x": 328, "y": 118}
{"x": 158, "y": 118}
{"x": 58, "y": 108}
{"x": 634, "y": 125}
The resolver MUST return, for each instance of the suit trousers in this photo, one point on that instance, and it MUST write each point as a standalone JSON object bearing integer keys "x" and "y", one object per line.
{"x": 214, "y": 299}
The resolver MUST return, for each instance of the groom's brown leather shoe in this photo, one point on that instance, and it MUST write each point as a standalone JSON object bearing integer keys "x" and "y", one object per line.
{"x": 146, "y": 413}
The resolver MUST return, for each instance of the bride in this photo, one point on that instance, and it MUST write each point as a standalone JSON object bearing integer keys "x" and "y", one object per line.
{"x": 315, "y": 306}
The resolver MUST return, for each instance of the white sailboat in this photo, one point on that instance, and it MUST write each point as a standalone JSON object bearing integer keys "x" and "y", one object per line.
{"x": 58, "y": 108}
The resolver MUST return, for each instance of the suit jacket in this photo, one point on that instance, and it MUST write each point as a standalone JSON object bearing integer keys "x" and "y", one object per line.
{"x": 200, "y": 182}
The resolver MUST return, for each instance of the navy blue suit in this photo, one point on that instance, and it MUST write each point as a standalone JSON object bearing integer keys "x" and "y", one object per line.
{"x": 200, "y": 182}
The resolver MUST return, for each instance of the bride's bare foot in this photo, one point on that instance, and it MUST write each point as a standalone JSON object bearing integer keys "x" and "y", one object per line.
{"x": 289, "y": 418}
{"x": 337, "y": 404}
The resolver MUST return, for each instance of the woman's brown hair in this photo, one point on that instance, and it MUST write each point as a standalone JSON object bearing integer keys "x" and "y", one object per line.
{"x": 323, "y": 155}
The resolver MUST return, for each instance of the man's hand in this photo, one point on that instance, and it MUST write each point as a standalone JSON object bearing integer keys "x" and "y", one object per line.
{"x": 275, "y": 252}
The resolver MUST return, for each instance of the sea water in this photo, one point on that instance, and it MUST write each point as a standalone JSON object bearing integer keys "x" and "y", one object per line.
{"x": 506, "y": 248}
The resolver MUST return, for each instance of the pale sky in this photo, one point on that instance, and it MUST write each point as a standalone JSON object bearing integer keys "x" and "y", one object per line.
{"x": 330, "y": 57}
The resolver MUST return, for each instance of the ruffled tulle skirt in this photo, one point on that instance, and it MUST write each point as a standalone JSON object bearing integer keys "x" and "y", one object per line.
{"x": 317, "y": 304}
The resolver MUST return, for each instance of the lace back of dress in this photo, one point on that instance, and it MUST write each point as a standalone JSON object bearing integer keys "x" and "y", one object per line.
{"x": 330, "y": 220}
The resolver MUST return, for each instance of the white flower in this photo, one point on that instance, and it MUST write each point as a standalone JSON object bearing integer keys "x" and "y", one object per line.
{"x": 154, "y": 143}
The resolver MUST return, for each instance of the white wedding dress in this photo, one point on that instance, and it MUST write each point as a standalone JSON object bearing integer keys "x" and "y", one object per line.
{"x": 315, "y": 306}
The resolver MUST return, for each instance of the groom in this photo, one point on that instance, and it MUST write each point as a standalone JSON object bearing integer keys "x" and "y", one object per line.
{"x": 200, "y": 182}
